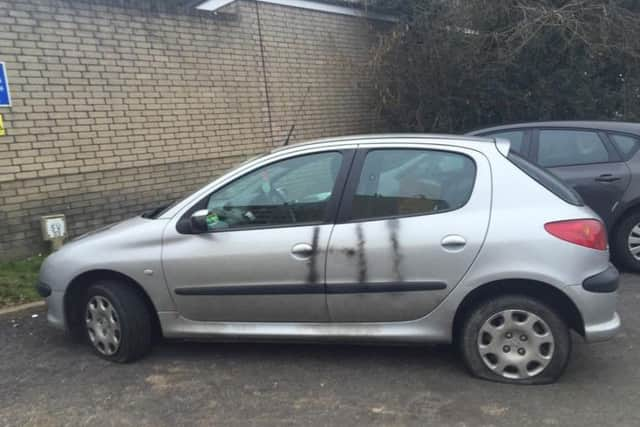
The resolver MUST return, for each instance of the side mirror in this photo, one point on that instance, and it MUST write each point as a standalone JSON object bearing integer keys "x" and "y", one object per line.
{"x": 199, "y": 221}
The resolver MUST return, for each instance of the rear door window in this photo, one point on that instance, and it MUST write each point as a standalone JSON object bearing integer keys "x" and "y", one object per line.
{"x": 570, "y": 147}
{"x": 399, "y": 182}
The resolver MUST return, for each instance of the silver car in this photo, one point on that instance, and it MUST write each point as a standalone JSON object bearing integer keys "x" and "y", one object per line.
{"x": 390, "y": 238}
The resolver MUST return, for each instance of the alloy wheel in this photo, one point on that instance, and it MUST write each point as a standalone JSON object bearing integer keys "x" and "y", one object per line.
{"x": 633, "y": 242}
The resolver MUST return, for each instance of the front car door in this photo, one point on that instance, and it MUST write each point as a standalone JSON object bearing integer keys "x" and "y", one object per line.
{"x": 586, "y": 160}
{"x": 263, "y": 257}
{"x": 411, "y": 223}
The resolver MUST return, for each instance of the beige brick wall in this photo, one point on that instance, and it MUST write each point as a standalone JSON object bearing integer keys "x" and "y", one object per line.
{"x": 116, "y": 109}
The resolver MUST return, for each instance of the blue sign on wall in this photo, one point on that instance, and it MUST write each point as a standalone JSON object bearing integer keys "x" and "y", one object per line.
{"x": 5, "y": 96}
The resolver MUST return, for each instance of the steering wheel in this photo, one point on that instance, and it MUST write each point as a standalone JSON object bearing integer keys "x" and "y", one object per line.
{"x": 277, "y": 196}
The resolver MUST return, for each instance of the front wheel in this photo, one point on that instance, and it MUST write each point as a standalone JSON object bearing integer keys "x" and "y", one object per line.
{"x": 515, "y": 339}
{"x": 117, "y": 322}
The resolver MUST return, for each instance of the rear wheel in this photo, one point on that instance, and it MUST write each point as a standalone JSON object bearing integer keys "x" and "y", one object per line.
{"x": 515, "y": 339}
{"x": 626, "y": 242}
{"x": 117, "y": 322}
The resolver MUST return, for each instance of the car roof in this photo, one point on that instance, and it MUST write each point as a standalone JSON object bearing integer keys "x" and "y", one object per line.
{"x": 629, "y": 127}
{"x": 387, "y": 138}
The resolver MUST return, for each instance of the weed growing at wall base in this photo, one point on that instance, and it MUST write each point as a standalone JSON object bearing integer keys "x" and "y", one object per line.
{"x": 17, "y": 281}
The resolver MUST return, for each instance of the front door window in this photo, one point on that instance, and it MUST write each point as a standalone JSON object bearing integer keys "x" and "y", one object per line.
{"x": 290, "y": 192}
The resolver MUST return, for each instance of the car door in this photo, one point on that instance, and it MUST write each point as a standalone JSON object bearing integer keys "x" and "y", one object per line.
{"x": 263, "y": 257}
{"x": 586, "y": 160}
{"x": 411, "y": 223}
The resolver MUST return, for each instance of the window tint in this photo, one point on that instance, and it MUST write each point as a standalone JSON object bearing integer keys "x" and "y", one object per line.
{"x": 515, "y": 137}
{"x": 569, "y": 147}
{"x": 409, "y": 182}
{"x": 292, "y": 191}
{"x": 627, "y": 145}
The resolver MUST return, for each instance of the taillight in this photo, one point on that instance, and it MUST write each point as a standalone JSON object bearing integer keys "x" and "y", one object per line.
{"x": 590, "y": 233}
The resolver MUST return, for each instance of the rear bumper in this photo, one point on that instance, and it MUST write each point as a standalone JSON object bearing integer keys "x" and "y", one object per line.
{"x": 603, "y": 331}
{"x": 596, "y": 299}
{"x": 604, "y": 282}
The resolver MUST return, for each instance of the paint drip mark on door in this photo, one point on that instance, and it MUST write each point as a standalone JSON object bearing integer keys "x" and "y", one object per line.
{"x": 313, "y": 269}
{"x": 362, "y": 257}
{"x": 393, "y": 226}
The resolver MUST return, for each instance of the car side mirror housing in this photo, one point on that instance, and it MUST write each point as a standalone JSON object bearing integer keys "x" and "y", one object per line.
{"x": 199, "y": 221}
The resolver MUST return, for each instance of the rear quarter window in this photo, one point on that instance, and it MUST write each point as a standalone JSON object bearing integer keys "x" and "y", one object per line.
{"x": 547, "y": 180}
{"x": 627, "y": 145}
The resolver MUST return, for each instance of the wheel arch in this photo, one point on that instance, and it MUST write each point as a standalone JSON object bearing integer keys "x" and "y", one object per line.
{"x": 629, "y": 208}
{"x": 75, "y": 292}
{"x": 546, "y": 293}
{"x": 618, "y": 243}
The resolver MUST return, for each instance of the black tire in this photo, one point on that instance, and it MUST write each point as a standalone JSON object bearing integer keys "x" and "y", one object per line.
{"x": 619, "y": 247}
{"x": 134, "y": 320}
{"x": 482, "y": 312}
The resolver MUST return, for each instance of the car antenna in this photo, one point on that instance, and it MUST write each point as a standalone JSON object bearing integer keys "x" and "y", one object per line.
{"x": 293, "y": 126}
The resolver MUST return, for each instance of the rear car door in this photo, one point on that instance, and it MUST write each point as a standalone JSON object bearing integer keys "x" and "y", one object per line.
{"x": 410, "y": 225}
{"x": 586, "y": 160}
{"x": 263, "y": 257}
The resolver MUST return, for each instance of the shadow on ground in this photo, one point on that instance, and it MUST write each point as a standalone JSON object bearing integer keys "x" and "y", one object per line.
{"x": 46, "y": 379}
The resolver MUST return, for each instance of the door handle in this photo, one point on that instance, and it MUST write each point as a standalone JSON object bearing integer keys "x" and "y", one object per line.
{"x": 453, "y": 242}
{"x": 607, "y": 177}
{"x": 302, "y": 251}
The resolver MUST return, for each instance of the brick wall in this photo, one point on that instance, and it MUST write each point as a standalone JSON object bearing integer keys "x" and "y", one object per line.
{"x": 116, "y": 109}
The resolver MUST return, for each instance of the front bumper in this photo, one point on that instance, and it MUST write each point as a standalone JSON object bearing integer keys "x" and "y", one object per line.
{"x": 55, "y": 310}
{"x": 43, "y": 289}
{"x": 55, "y": 304}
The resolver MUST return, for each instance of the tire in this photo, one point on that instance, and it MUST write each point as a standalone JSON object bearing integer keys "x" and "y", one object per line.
{"x": 620, "y": 243}
{"x": 117, "y": 322}
{"x": 543, "y": 359}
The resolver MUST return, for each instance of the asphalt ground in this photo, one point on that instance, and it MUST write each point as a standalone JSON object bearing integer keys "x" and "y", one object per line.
{"x": 46, "y": 379}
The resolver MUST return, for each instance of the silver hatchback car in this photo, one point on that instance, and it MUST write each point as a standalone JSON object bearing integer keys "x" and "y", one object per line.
{"x": 389, "y": 238}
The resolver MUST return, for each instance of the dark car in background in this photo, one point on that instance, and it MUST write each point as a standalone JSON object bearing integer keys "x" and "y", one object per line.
{"x": 600, "y": 160}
